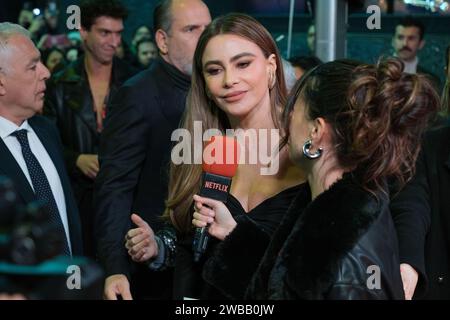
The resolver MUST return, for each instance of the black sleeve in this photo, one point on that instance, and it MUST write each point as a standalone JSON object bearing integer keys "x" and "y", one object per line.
{"x": 343, "y": 291}
{"x": 236, "y": 259}
{"x": 53, "y": 105}
{"x": 412, "y": 217}
{"x": 121, "y": 155}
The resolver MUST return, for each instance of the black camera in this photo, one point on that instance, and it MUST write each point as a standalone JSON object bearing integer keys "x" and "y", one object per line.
{"x": 26, "y": 236}
{"x": 31, "y": 262}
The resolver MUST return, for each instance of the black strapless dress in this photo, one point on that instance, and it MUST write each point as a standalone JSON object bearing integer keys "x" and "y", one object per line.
{"x": 188, "y": 280}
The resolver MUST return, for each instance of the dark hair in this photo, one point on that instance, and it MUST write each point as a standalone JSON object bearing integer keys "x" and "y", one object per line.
{"x": 92, "y": 9}
{"x": 144, "y": 40}
{"x": 305, "y": 62}
{"x": 377, "y": 114}
{"x": 135, "y": 30}
{"x": 162, "y": 16}
{"x": 410, "y": 21}
{"x": 46, "y": 54}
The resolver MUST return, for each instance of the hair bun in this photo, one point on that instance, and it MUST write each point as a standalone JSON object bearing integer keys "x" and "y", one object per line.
{"x": 390, "y": 69}
{"x": 409, "y": 98}
{"x": 391, "y": 110}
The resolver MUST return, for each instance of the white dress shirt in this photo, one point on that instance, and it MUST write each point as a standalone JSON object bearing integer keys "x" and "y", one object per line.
{"x": 6, "y": 129}
{"x": 410, "y": 67}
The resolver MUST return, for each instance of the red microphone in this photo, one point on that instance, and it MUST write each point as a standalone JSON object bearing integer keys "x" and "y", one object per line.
{"x": 220, "y": 162}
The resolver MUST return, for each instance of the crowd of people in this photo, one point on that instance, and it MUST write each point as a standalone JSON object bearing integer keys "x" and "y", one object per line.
{"x": 60, "y": 48}
{"x": 87, "y": 127}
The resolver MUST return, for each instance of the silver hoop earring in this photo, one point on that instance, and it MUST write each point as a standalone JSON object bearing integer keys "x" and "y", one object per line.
{"x": 307, "y": 153}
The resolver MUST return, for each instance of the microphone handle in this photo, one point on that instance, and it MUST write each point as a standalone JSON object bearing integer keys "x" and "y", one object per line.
{"x": 215, "y": 187}
{"x": 200, "y": 242}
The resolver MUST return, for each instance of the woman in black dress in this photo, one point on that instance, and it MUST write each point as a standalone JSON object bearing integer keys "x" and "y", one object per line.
{"x": 237, "y": 84}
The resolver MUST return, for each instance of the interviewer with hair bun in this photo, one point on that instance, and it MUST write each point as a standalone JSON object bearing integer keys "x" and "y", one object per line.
{"x": 350, "y": 127}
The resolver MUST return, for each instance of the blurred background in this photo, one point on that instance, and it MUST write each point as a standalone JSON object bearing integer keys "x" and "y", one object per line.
{"x": 362, "y": 44}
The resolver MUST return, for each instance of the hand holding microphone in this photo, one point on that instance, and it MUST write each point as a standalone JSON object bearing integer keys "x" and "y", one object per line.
{"x": 215, "y": 214}
{"x": 219, "y": 166}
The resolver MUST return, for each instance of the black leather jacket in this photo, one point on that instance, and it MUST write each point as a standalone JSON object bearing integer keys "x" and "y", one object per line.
{"x": 69, "y": 104}
{"x": 342, "y": 245}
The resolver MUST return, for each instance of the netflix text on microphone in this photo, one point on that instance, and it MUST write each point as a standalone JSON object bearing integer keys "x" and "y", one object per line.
{"x": 216, "y": 186}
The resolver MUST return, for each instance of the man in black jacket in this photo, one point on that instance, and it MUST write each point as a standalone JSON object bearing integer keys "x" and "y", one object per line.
{"x": 135, "y": 147}
{"x": 77, "y": 98}
{"x": 424, "y": 205}
{"x": 407, "y": 41}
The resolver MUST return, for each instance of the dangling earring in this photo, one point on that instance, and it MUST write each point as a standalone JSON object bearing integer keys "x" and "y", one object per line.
{"x": 208, "y": 94}
{"x": 307, "y": 153}
{"x": 272, "y": 80}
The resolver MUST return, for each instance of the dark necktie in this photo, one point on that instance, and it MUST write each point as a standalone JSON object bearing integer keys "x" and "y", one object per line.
{"x": 41, "y": 186}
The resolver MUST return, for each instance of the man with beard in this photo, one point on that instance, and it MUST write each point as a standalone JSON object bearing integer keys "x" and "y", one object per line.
{"x": 408, "y": 40}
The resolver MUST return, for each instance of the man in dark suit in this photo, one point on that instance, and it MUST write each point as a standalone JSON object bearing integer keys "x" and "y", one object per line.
{"x": 423, "y": 208}
{"x": 30, "y": 149}
{"x": 407, "y": 41}
{"x": 135, "y": 147}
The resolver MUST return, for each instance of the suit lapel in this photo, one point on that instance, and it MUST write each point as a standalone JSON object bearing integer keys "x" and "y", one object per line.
{"x": 49, "y": 146}
{"x": 12, "y": 170}
{"x": 83, "y": 105}
{"x": 77, "y": 95}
